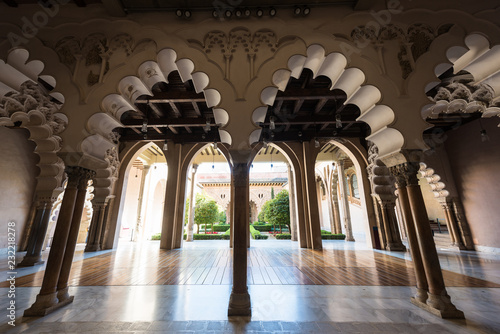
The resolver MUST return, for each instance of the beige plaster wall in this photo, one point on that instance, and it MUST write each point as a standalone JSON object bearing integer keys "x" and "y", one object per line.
{"x": 17, "y": 181}
{"x": 475, "y": 166}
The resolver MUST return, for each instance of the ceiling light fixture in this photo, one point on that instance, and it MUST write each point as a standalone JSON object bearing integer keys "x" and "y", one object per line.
{"x": 215, "y": 14}
{"x": 238, "y": 13}
{"x": 206, "y": 127}
{"x": 483, "y": 133}
{"x": 272, "y": 125}
{"x": 338, "y": 121}
{"x": 144, "y": 128}
{"x": 228, "y": 13}
{"x": 306, "y": 10}
{"x": 215, "y": 145}
{"x": 297, "y": 10}
{"x": 187, "y": 14}
{"x": 272, "y": 11}
{"x": 259, "y": 12}
{"x": 247, "y": 12}
{"x": 316, "y": 143}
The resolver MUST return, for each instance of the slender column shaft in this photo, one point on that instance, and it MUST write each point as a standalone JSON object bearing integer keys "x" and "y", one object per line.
{"x": 345, "y": 201}
{"x": 422, "y": 286}
{"x": 394, "y": 242}
{"x": 438, "y": 301}
{"x": 293, "y": 204}
{"x": 167, "y": 229}
{"x": 62, "y": 284}
{"x": 454, "y": 229}
{"x": 191, "y": 206}
{"x": 239, "y": 303}
{"x": 313, "y": 226}
{"x": 96, "y": 226}
{"x": 140, "y": 216}
{"x": 336, "y": 209}
{"x": 37, "y": 235}
{"x": 46, "y": 300}
{"x": 319, "y": 195}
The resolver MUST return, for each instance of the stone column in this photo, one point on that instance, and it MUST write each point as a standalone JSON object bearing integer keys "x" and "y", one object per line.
{"x": 311, "y": 210}
{"x": 239, "y": 302}
{"x": 335, "y": 206}
{"x": 438, "y": 301}
{"x": 173, "y": 157}
{"x": 420, "y": 297}
{"x": 392, "y": 237}
{"x": 345, "y": 201}
{"x": 319, "y": 194}
{"x": 62, "y": 284}
{"x": 38, "y": 231}
{"x": 456, "y": 238}
{"x": 96, "y": 225}
{"x": 191, "y": 205}
{"x": 46, "y": 301}
{"x": 462, "y": 223}
{"x": 293, "y": 204}
{"x": 140, "y": 215}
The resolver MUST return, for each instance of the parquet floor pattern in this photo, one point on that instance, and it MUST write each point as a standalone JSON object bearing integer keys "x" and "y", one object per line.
{"x": 266, "y": 266}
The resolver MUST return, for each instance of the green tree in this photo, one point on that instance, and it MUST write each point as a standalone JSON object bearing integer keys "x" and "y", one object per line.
{"x": 206, "y": 211}
{"x": 262, "y": 215}
{"x": 222, "y": 217}
{"x": 278, "y": 212}
{"x": 272, "y": 193}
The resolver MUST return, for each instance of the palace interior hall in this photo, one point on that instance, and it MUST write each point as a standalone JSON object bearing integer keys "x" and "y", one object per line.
{"x": 326, "y": 166}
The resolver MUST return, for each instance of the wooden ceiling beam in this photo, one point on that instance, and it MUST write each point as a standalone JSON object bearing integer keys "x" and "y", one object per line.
{"x": 167, "y": 122}
{"x": 196, "y": 108}
{"x": 177, "y": 138}
{"x": 298, "y": 104}
{"x": 309, "y": 94}
{"x": 175, "y": 109}
{"x": 321, "y": 103}
{"x": 176, "y": 97}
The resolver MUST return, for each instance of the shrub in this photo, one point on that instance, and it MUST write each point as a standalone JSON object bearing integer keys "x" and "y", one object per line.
{"x": 156, "y": 236}
{"x": 209, "y": 237}
{"x": 333, "y": 236}
{"x": 220, "y": 227}
{"x": 325, "y": 232}
{"x": 256, "y": 234}
{"x": 228, "y": 232}
{"x": 263, "y": 227}
{"x": 283, "y": 236}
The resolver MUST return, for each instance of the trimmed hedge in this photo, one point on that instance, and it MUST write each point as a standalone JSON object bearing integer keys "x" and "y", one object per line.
{"x": 325, "y": 232}
{"x": 333, "y": 236}
{"x": 156, "y": 236}
{"x": 209, "y": 237}
{"x": 284, "y": 236}
{"x": 221, "y": 227}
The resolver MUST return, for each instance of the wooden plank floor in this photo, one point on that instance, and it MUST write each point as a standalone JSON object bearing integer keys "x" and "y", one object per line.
{"x": 152, "y": 266}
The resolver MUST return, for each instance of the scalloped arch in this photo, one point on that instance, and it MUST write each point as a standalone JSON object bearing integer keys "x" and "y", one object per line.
{"x": 349, "y": 80}
{"x": 149, "y": 74}
{"x": 22, "y": 100}
{"x": 477, "y": 59}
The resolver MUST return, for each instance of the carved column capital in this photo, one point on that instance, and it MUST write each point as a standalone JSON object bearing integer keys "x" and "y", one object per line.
{"x": 405, "y": 174}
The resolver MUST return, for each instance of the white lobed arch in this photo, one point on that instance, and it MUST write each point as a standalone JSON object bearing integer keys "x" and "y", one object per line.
{"x": 480, "y": 63}
{"x": 350, "y": 81}
{"x": 434, "y": 181}
{"x": 24, "y": 101}
{"x": 131, "y": 87}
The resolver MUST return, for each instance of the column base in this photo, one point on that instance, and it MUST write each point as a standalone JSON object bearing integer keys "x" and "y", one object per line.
{"x": 394, "y": 247}
{"x": 92, "y": 248}
{"x": 458, "y": 246}
{"x": 239, "y": 305}
{"x": 349, "y": 239}
{"x": 30, "y": 261}
{"x": 46, "y": 304}
{"x": 440, "y": 306}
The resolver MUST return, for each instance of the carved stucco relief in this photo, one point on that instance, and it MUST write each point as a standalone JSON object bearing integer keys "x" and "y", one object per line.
{"x": 240, "y": 52}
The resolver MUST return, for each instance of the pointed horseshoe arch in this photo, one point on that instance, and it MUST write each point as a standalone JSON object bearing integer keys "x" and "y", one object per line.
{"x": 350, "y": 80}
